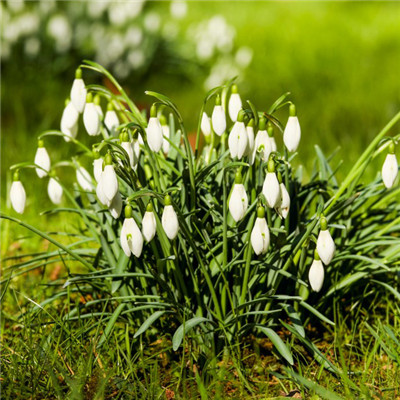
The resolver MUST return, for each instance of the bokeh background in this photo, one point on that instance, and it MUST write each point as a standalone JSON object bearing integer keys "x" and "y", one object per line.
{"x": 340, "y": 61}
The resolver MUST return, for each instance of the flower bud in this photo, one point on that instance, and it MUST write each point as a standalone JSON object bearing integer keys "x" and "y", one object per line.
{"x": 292, "y": 133}
{"x": 325, "y": 244}
{"x": 78, "y": 92}
{"x": 238, "y": 139}
{"x": 235, "y": 104}
{"x": 262, "y": 142}
{"x": 91, "y": 118}
{"x": 316, "y": 274}
{"x": 165, "y": 130}
{"x": 284, "y": 203}
{"x": 238, "y": 201}
{"x": 205, "y": 125}
{"x": 116, "y": 206}
{"x": 154, "y": 131}
{"x": 260, "y": 234}
{"x": 149, "y": 224}
{"x": 218, "y": 117}
{"x": 271, "y": 189}
{"x": 55, "y": 191}
{"x": 271, "y": 139}
{"x": 42, "y": 159}
{"x": 251, "y": 150}
{"x": 111, "y": 118}
{"x": 97, "y": 166}
{"x": 69, "y": 121}
{"x": 17, "y": 194}
{"x": 390, "y": 168}
{"x": 169, "y": 219}
{"x": 108, "y": 179}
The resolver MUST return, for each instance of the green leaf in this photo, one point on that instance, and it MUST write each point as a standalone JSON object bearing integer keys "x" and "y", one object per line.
{"x": 110, "y": 324}
{"x": 278, "y": 103}
{"x": 149, "y": 321}
{"x": 165, "y": 100}
{"x": 184, "y": 329}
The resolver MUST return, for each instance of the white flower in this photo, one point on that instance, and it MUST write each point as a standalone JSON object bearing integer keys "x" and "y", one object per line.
{"x": 325, "y": 244}
{"x": 169, "y": 219}
{"x": 70, "y": 133}
{"x": 131, "y": 238}
{"x": 235, "y": 104}
{"x": 238, "y": 201}
{"x": 55, "y": 191}
{"x": 284, "y": 203}
{"x": 42, "y": 159}
{"x": 263, "y": 145}
{"x": 271, "y": 189}
{"x": 69, "y": 121}
{"x": 154, "y": 134}
{"x": 97, "y": 168}
{"x": 149, "y": 224}
{"x": 165, "y": 145}
{"x": 260, "y": 233}
{"x": 218, "y": 118}
{"x": 251, "y": 145}
{"x": 116, "y": 206}
{"x": 100, "y": 194}
{"x": 205, "y": 124}
{"x": 238, "y": 140}
{"x": 111, "y": 120}
{"x": 389, "y": 170}
{"x": 84, "y": 179}
{"x": 78, "y": 92}
{"x": 17, "y": 195}
{"x": 91, "y": 118}
{"x": 316, "y": 275}
{"x": 292, "y": 133}
{"x": 109, "y": 182}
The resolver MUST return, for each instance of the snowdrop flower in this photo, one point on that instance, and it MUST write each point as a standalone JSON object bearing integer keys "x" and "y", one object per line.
{"x": 78, "y": 92}
{"x": 169, "y": 219}
{"x": 97, "y": 165}
{"x": 235, "y": 104}
{"x": 84, "y": 179}
{"x": 42, "y": 159}
{"x": 271, "y": 139}
{"x": 91, "y": 118}
{"x": 69, "y": 121}
{"x": 116, "y": 206}
{"x": 131, "y": 238}
{"x": 205, "y": 125}
{"x": 251, "y": 150}
{"x": 238, "y": 140}
{"x": 292, "y": 133}
{"x": 316, "y": 273}
{"x": 154, "y": 131}
{"x": 390, "y": 168}
{"x": 17, "y": 194}
{"x": 54, "y": 190}
{"x": 260, "y": 233}
{"x": 284, "y": 203}
{"x": 111, "y": 118}
{"x": 218, "y": 117}
{"x": 325, "y": 244}
{"x": 149, "y": 224}
{"x": 271, "y": 189}
{"x": 262, "y": 142}
{"x": 127, "y": 146}
{"x": 108, "y": 183}
{"x": 97, "y": 104}
{"x": 238, "y": 201}
{"x": 165, "y": 130}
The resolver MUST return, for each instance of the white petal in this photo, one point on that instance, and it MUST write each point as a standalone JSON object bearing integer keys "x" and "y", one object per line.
{"x": 100, "y": 193}
{"x": 205, "y": 124}
{"x": 149, "y": 225}
{"x": 238, "y": 202}
{"x": 91, "y": 119}
{"x": 18, "y": 196}
{"x": 242, "y": 140}
{"x": 389, "y": 170}
{"x": 116, "y": 206}
{"x": 218, "y": 120}
{"x": 124, "y": 239}
{"x": 292, "y": 134}
{"x": 70, "y": 117}
{"x": 70, "y": 132}
{"x": 260, "y": 236}
{"x": 109, "y": 182}
{"x": 271, "y": 189}
{"x": 272, "y": 143}
{"x": 127, "y": 146}
{"x": 131, "y": 238}
{"x": 136, "y": 151}
{"x": 234, "y": 106}
{"x": 55, "y": 191}
{"x": 154, "y": 134}
{"x": 170, "y": 222}
{"x": 165, "y": 145}
{"x": 250, "y": 137}
{"x": 325, "y": 246}
{"x": 42, "y": 159}
{"x": 97, "y": 168}
{"x": 233, "y": 141}
{"x": 263, "y": 145}
{"x": 316, "y": 275}
{"x": 78, "y": 94}
{"x": 284, "y": 205}
{"x": 111, "y": 120}
{"x": 99, "y": 111}
{"x": 84, "y": 179}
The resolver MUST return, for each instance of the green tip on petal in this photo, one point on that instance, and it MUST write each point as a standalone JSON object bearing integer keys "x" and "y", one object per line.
{"x": 324, "y": 223}
{"x": 97, "y": 99}
{"x": 238, "y": 177}
{"x": 163, "y": 119}
{"x": 40, "y": 143}
{"x": 128, "y": 211}
{"x": 16, "y": 175}
{"x": 262, "y": 124}
{"x": 251, "y": 122}
{"x": 153, "y": 111}
{"x": 149, "y": 207}
{"x": 167, "y": 200}
{"x": 218, "y": 100}
{"x": 78, "y": 74}
{"x": 391, "y": 147}
{"x": 270, "y": 129}
{"x": 260, "y": 212}
{"x": 316, "y": 255}
{"x": 234, "y": 88}
{"x": 292, "y": 110}
{"x": 271, "y": 165}
{"x": 241, "y": 115}
{"x": 110, "y": 106}
{"x": 89, "y": 98}
{"x": 108, "y": 159}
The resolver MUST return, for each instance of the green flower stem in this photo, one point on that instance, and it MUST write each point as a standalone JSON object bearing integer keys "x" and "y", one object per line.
{"x": 287, "y": 185}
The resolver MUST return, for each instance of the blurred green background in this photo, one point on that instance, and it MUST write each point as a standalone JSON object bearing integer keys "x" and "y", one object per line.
{"x": 340, "y": 61}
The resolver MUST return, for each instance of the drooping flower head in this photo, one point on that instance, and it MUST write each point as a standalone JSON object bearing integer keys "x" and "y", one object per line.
{"x": 271, "y": 139}
{"x": 131, "y": 238}
{"x": 84, "y": 179}
{"x": 218, "y": 117}
{"x": 149, "y": 224}
{"x": 69, "y": 121}
{"x": 42, "y": 160}
{"x": 260, "y": 234}
{"x": 205, "y": 125}
{"x": 17, "y": 194}
{"x": 238, "y": 139}
{"x": 111, "y": 118}
{"x": 91, "y": 118}
{"x": 271, "y": 189}
{"x": 283, "y": 206}
{"x": 54, "y": 190}
{"x": 262, "y": 143}
{"x": 235, "y": 103}
{"x": 238, "y": 201}
{"x": 78, "y": 92}
{"x": 97, "y": 165}
{"x": 169, "y": 219}
{"x": 325, "y": 244}
{"x": 316, "y": 273}
{"x": 390, "y": 167}
{"x": 292, "y": 133}
{"x": 108, "y": 184}
{"x": 154, "y": 131}
{"x": 97, "y": 104}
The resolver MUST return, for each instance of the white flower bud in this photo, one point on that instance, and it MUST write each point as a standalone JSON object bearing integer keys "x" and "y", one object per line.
{"x": 234, "y": 106}
{"x": 116, "y": 206}
{"x": 78, "y": 92}
{"x": 91, "y": 118}
{"x": 325, "y": 244}
{"x": 271, "y": 190}
{"x": 84, "y": 179}
{"x": 316, "y": 275}
{"x": 55, "y": 191}
{"x": 390, "y": 169}
{"x": 69, "y": 117}
{"x": 97, "y": 168}
{"x": 260, "y": 234}
{"x": 42, "y": 159}
{"x": 238, "y": 202}
{"x": 111, "y": 120}
{"x": 18, "y": 196}
{"x": 109, "y": 182}
{"x": 205, "y": 124}
{"x": 238, "y": 140}
{"x": 154, "y": 134}
{"x": 169, "y": 219}
{"x": 292, "y": 133}
{"x": 218, "y": 120}
{"x": 100, "y": 194}
{"x": 131, "y": 238}
{"x": 263, "y": 144}
{"x": 149, "y": 224}
{"x": 272, "y": 144}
